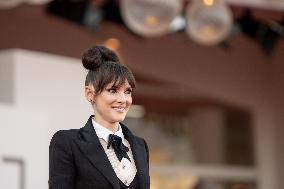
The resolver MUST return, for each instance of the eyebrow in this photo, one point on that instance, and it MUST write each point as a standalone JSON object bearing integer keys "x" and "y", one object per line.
{"x": 113, "y": 87}
{"x": 116, "y": 87}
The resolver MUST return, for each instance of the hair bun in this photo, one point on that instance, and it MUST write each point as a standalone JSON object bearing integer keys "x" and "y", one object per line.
{"x": 96, "y": 56}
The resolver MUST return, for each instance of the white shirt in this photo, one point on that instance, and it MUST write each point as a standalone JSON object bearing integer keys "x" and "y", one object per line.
{"x": 104, "y": 133}
{"x": 124, "y": 169}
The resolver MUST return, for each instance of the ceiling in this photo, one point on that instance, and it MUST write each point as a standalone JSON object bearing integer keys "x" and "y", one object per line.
{"x": 277, "y": 5}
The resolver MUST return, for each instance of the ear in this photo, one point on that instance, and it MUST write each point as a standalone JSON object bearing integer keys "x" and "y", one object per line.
{"x": 89, "y": 93}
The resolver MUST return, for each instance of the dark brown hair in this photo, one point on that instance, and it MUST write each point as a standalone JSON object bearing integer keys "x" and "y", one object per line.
{"x": 104, "y": 67}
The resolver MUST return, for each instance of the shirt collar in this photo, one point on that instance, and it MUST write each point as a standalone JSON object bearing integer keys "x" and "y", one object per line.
{"x": 104, "y": 133}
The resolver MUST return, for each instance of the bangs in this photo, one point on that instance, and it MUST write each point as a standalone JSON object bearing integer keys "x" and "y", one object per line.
{"x": 122, "y": 77}
{"x": 111, "y": 72}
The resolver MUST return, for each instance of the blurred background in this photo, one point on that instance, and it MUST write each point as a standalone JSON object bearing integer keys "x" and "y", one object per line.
{"x": 210, "y": 86}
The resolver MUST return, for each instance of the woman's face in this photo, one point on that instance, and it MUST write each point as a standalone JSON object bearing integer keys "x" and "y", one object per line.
{"x": 112, "y": 104}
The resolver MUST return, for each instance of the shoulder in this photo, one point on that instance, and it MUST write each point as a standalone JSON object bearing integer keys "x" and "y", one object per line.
{"x": 66, "y": 133}
{"x": 63, "y": 136}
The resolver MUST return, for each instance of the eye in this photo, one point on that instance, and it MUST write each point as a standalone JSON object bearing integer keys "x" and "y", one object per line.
{"x": 112, "y": 90}
{"x": 128, "y": 91}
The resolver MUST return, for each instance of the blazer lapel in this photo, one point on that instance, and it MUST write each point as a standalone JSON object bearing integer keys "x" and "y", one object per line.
{"x": 90, "y": 145}
{"x": 139, "y": 155}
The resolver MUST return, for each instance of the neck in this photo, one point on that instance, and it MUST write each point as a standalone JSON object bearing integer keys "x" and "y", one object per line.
{"x": 113, "y": 127}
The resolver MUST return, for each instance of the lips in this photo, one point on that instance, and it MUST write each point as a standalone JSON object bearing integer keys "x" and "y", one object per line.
{"x": 119, "y": 109}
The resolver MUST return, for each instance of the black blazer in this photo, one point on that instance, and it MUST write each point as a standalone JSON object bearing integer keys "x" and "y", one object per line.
{"x": 77, "y": 160}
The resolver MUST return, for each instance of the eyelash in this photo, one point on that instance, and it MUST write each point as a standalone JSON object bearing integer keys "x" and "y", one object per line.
{"x": 128, "y": 91}
{"x": 112, "y": 90}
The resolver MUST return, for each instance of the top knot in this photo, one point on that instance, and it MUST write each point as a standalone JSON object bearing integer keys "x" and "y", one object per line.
{"x": 94, "y": 57}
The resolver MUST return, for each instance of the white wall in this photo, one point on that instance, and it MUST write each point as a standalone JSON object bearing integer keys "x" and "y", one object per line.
{"x": 24, "y": 135}
{"x": 40, "y": 94}
{"x": 54, "y": 84}
{"x": 6, "y": 77}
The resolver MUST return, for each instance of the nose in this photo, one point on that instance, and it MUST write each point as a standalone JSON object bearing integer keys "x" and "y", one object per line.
{"x": 121, "y": 97}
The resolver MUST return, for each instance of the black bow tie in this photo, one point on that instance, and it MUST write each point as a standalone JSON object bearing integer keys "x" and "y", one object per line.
{"x": 119, "y": 148}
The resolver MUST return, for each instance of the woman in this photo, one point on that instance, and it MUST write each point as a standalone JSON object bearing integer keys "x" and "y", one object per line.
{"x": 103, "y": 154}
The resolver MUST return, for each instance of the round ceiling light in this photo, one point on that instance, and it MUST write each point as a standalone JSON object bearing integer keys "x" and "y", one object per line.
{"x": 150, "y": 18}
{"x": 208, "y": 22}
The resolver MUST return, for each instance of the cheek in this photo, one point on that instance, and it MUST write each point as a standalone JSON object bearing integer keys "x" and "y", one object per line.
{"x": 107, "y": 99}
{"x": 129, "y": 100}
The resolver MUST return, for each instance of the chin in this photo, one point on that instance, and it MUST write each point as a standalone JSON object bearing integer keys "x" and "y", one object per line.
{"x": 119, "y": 119}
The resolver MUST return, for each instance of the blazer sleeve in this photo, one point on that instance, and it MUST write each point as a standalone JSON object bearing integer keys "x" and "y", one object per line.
{"x": 148, "y": 181}
{"x": 61, "y": 164}
{"x": 147, "y": 150}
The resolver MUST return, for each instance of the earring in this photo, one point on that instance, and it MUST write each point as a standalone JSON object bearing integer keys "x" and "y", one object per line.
{"x": 91, "y": 101}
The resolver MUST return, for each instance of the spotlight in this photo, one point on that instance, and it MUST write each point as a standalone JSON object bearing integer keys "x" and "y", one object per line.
{"x": 150, "y": 18}
{"x": 37, "y": 2}
{"x": 9, "y": 3}
{"x": 209, "y": 22}
{"x": 14, "y": 3}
